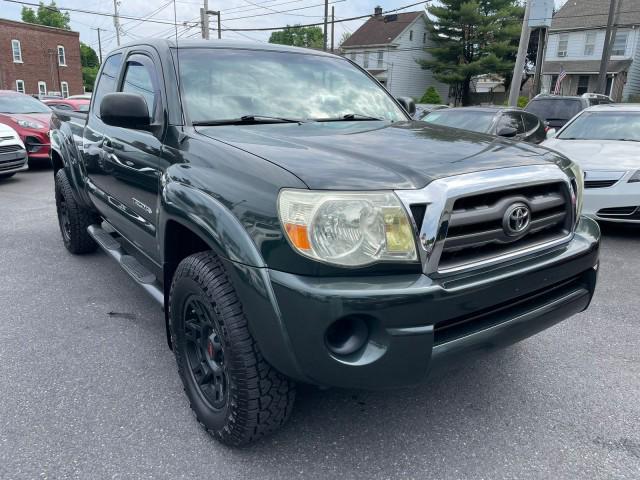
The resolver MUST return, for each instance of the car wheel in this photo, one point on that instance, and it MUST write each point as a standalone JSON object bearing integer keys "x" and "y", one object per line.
{"x": 73, "y": 218}
{"x": 235, "y": 394}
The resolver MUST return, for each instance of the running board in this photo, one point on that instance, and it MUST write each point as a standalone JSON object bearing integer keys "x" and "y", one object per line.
{"x": 129, "y": 264}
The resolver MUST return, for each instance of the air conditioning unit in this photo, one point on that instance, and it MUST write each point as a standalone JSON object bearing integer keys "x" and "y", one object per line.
{"x": 562, "y": 54}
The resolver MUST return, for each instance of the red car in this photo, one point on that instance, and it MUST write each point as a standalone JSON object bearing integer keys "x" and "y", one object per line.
{"x": 75, "y": 104}
{"x": 30, "y": 118}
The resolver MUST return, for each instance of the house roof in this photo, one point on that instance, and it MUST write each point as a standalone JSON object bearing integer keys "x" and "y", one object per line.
{"x": 581, "y": 14}
{"x": 381, "y": 30}
{"x": 585, "y": 66}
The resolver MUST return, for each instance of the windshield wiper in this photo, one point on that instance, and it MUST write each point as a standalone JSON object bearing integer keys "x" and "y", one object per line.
{"x": 349, "y": 117}
{"x": 245, "y": 120}
{"x": 626, "y": 140}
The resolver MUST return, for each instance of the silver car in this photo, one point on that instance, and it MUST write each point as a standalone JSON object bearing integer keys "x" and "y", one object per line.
{"x": 605, "y": 141}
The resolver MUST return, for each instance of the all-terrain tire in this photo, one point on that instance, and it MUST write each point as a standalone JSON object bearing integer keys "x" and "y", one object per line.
{"x": 73, "y": 218}
{"x": 245, "y": 398}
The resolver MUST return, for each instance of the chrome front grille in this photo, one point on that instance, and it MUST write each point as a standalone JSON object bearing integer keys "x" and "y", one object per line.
{"x": 476, "y": 227}
{"x": 473, "y": 220}
{"x": 9, "y": 148}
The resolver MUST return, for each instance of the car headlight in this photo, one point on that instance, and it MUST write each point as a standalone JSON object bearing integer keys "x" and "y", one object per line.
{"x": 635, "y": 178}
{"x": 347, "y": 228}
{"x": 29, "y": 124}
{"x": 576, "y": 177}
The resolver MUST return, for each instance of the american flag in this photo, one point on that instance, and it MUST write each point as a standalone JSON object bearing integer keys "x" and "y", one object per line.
{"x": 556, "y": 90}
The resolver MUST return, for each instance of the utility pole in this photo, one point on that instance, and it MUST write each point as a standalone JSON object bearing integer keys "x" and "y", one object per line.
{"x": 116, "y": 21}
{"x": 204, "y": 20}
{"x": 333, "y": 25}
{"x": 606, "y": 50}
{"x": 99, "y": 44}
{"x": 542, "y": 40}
{"x": 522, "y": 54}
{"x": 326, "y": 20}
{"x": 217, "y": 14}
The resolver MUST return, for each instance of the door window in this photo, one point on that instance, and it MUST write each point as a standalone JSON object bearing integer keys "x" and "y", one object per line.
{"x": 583, "y": 84}
{"x": 107, "y": 81}
{"x": 139, "y": 79}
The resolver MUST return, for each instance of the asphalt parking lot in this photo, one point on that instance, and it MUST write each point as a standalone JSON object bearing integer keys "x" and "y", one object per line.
{"x": 89, "y": 389}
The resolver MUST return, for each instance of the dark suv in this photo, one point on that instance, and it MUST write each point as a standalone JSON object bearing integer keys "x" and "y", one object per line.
{"x": 556, "y": 110}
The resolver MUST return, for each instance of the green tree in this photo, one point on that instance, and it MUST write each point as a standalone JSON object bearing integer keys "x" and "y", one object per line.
{"x": 310, "y": 37}
{"x": 431, "y": 96}
{"x": 48, "y": 15}
{"x": 345, "y": 36}
{"x": 89, "y": 75}
{"x": 472, "y": 37}
{"x": 88, "y": 56}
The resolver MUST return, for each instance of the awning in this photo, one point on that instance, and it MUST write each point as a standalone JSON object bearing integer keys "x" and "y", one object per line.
{"x": 584, "y": 66}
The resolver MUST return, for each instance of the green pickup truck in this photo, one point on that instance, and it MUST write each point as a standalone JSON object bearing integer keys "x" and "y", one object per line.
{"x": 296, "y": 225}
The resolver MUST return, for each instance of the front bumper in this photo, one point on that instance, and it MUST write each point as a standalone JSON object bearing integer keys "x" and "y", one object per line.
{"x": 37, "y": 144}
{"x": 615, "y": 203}
{"x": 417, "y": 324}
{"x": 12, "y": 162}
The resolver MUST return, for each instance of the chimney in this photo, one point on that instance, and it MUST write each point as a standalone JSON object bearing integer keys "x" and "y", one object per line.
{"x": 378, "y": 11}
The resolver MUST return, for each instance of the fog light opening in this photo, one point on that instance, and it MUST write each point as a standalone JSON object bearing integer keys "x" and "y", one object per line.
{"x": 347, "y": 335}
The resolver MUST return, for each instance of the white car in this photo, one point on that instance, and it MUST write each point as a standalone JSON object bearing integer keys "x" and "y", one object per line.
{"x": 605, "y": 141}
{"x": 13, "y": 155}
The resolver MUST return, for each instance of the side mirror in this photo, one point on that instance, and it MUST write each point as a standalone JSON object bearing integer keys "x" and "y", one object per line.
{"x": 508, "y": 132}
{"x": 551, "y": 133}
{"x": 127, "y": 110}
{"x": 408, "y": 104}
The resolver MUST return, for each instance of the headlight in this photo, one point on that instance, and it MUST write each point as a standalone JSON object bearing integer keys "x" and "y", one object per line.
{"x": 29, "y": 124}
{"x": 347, "y": 228}
{"x": 576, "y": 176}
{"x": 635, "y": 178}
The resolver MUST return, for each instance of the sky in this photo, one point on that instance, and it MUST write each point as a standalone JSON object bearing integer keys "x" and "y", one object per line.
{"x": 256, "y": 13}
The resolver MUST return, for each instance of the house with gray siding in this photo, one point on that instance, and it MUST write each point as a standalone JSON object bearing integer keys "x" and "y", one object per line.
{"x": 575, "y": 44}
{"x": 389, "y": 47}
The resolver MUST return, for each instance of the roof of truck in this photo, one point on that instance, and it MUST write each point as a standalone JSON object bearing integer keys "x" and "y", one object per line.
{"x": 162, "y": 43}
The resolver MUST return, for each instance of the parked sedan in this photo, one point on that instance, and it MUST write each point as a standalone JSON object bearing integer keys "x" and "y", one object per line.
{"x": 424, "y": 109}
{"x": 30, "y": 118}
{"x": 72, "y": 104}
{"x": 501, "y": 121}
{"x": 605, "y": 141}
{"x": 13, "y": 155}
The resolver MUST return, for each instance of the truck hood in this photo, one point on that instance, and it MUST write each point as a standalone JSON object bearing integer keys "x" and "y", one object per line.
{"x": 368, "y": 156}
{"x": 599, "y": 154}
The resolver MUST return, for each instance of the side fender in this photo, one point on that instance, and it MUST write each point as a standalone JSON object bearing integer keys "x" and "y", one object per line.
{"x": 210, "y": 219}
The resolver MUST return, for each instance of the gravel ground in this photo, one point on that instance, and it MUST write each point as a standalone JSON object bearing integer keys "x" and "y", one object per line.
{"x": 89, "y": 389}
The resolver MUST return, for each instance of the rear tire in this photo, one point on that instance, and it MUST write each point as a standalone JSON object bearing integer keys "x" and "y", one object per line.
{"x": 235, "y": 394}
{"x": 73, "y": 219}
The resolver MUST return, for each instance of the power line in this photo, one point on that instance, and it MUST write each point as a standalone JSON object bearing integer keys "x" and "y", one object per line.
{"x": 273, "y": 12}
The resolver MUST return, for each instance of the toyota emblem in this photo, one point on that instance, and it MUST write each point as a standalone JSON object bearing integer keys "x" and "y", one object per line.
{"x": 516, "y": 220}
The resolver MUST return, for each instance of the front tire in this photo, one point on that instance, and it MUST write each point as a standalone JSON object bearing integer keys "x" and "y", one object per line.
{"x": 235, "y": 394}
{"x": 73, "y": 219}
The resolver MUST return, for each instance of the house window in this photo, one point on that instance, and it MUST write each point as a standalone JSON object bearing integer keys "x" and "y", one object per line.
{"x": 380, "y": 58}
{"x": 20, "y": 86}
{"x": 64, "y": 87}
{"x": 354, "y": 55}
{"x": 365, "y": 62}
{"x": 17, "y": 51}
{"x": 411, "y": 35}
{"x": 42, "y": 88}
{"x": 583, "y": 84}
{"x": 62, "y": 60}
{"x": 563, "y": 43}
{"x": 620, "y": 43}
{"x": 589, "y": 43}
{"x": 424, "y": 37}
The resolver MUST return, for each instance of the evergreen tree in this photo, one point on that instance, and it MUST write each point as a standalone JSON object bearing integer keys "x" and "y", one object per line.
{"x": 431, "y": 96}
{"x": 472, "y": 37}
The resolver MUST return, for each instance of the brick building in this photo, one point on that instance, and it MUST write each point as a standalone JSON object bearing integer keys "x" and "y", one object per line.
{"x": 39, "y": 60}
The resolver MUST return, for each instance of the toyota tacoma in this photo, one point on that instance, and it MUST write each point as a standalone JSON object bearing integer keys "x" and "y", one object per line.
{"x": 296, "y": 225}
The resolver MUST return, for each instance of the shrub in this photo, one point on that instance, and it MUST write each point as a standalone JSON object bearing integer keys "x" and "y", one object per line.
{"x": 431, "y": 96}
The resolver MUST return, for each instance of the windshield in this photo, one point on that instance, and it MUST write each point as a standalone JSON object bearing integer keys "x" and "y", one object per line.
{"x": 555, "y": 108}
{"x": 474, "y": 120}
{"x": 604, "y": 126}
{"x": 17, "y": 103}
{"x": 227, "y": 84}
